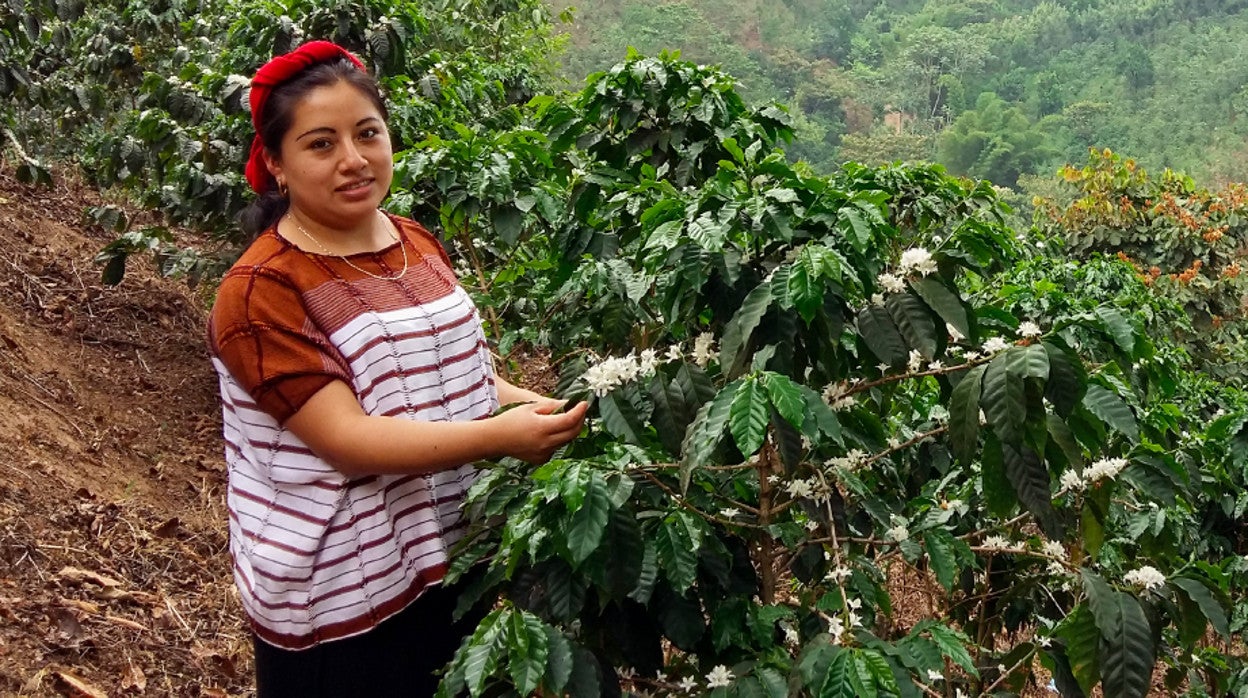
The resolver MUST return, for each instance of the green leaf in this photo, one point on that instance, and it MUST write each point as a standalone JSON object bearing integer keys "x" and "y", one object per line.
{"x": 748, "y": 418}
{"x": 1004, "y": 400}
{"x": 915, "y": 322}
{"x": 507, "y": 222}
{"x": 672, "y": 414}
{"x": 588, "y": 523}
{"x": 1067, "y": 381}
{"x": 620, "y": 417}
{"x": 879, "y": 333}
{"x": 787, "y": 398}
{"x": 1034, "y": 362}
{"x": 676, "y": 553}
{"x": 1030, "y": 479}
{"x": 998, "y": 492}
{"x": 952, "y": 643}
{"x": 1200, "y": 594}
{"x": 558, "y": 660}
{"x": 484, "y": 652}
{"x": 737, "y": 332}
{"x": 944, "y": 302}
{"x": 840, "y": 679}
{"x": 1127, "y": 649}
{"x": 940, "y": 552}
{"x": 1112, "y": 410}
{"x": 528, "y": 650}
{"x": 707, "y": 430}
{"x": 964, "y": 415}
{"x": 1061, "y": 435}
{"x": 584, "y": 682}
{"x": 1118, "y": 327}
{"x": 804, "y": 289}
{"x": 1082, "y": 643}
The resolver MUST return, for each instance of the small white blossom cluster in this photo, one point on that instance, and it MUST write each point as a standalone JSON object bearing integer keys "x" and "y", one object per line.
{"x": 1028, "y": 329}
{"x": 917, "y": 259}
{"x": 836, "y": 396}
{"x": 899, "y": 531}
{"x": 1104, "y": 469}
{"x": 1053, "y": 549}
{"x": 997, "y": 543}
{"x": 891, "y": 282}
{"x": 994, "y": 345}
{"x": 914, "y": 361}
{"x": 810, "y": 488}
{"x": 851, "y": 461}
{"x": 703, "y": 349}
{"x": 719, "y": 677}
{"x": 614, "y": 371}
{"x": 1147, "y": 577}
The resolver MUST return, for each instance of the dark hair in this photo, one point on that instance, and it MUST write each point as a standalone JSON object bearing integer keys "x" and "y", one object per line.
{"x": 276, "y": 119}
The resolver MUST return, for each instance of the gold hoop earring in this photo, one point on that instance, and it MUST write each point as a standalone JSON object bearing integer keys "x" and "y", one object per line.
{"x": 283, "y": 190}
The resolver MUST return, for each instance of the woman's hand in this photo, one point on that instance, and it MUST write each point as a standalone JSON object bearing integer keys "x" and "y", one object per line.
{"x": 533, "y": 431}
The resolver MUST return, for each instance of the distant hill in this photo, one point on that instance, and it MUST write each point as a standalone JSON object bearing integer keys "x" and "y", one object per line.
{"x": 1002, "y": 89}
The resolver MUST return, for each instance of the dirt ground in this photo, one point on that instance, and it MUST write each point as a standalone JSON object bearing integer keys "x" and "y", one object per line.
{"x": 114, "y": 570}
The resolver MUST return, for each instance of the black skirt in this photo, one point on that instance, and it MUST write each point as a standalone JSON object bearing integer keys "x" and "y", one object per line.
{"x": 400, "y": 658}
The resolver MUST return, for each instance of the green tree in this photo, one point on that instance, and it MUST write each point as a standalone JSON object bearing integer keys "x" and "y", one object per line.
{"x": 996, "y": 141}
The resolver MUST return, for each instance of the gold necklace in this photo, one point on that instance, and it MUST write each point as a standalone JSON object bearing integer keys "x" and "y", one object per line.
{"x": 366, "y": 272}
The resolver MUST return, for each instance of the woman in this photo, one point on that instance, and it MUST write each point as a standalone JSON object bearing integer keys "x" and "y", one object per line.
{"x": 357, "y": 392}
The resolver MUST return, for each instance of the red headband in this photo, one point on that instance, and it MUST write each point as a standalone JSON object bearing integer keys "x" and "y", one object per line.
{"x": 270, "y": 76}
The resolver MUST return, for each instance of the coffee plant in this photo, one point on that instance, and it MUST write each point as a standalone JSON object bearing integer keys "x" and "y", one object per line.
{"x": 851, "y": 433}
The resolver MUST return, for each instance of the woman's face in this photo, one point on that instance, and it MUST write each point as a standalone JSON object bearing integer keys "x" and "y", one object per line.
{"x": 335, "y": 158}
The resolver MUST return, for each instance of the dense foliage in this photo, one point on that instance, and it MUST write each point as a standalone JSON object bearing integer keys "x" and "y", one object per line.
{"x": 877, "y": 81}
{"x": 812, "y": 394}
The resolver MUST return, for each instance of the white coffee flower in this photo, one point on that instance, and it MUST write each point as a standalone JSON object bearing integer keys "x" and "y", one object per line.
{"x": 647, "y": 362}
{"x": 1147, "y": 577}
{"x": 898, "y": 533}
{"x": 719, "y": 677}
{"x": 836, "y": 629}
{"x": 800, "y": 488}
{"x": 997, "y": 543}
{"x": 915, "y": 362}
{"x": 675, "y": 353}
{"x": 884, "y": 368}
{"x": 1054, "y": 549}
{"x": 994, "y": 345}
{"x": 936, "y": 365}
{"x": 917, "y": 259}
{"x": 954, "y": 334}
{"x": 688, "y": 684}
{"x": 877, "y": 299}
{"x": 729, "y": 513}
{"x": 840, "y": 574}
{"x": 703, "y": 353}
{"x": 1029, "y": 329}
{"x": 935, "y": 676}
{"x": 1106, "y": 468}
{"x": 891, "y": 283}
{"x": 791, "y": 636}
{"x": 971, "y": 356}
{"x": 1072, "y": 480}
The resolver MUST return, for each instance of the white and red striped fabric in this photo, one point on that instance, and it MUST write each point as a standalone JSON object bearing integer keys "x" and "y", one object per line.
{"x": 319, "y": 556}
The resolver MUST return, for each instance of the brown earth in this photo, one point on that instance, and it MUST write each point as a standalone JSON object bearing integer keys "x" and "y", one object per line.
{"x": 114, "y": 571}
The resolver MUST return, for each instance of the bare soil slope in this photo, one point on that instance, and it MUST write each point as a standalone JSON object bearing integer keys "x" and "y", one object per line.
{"x": 114, "y": 573}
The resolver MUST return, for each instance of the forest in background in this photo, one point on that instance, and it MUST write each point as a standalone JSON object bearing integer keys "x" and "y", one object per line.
{"x": 1000, "y": 89}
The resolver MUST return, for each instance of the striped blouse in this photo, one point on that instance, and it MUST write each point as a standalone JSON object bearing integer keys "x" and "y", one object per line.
{"x": 317, "y": 555}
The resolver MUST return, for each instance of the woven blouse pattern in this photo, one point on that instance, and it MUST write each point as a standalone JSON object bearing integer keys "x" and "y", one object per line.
{"x": 317, "y": 555}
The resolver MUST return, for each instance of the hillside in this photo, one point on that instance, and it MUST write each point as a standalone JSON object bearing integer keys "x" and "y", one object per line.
{"x": 112, "y": 520}
{"x": 993, "y": 88}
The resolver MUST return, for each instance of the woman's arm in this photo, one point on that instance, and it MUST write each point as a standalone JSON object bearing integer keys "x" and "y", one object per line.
{"x": 335, "y": 427}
